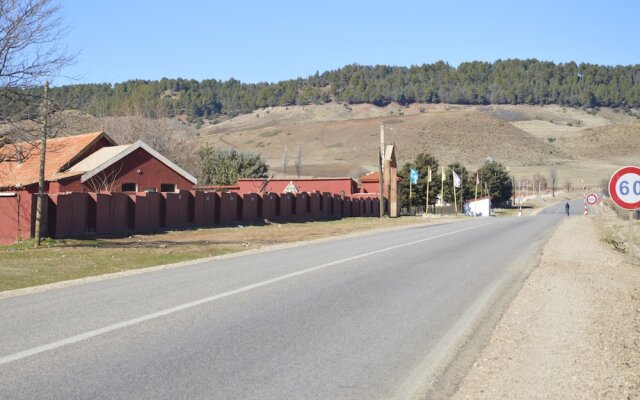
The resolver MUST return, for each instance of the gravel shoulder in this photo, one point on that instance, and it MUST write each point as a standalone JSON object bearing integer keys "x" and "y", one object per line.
{"x": 573, "y": 330}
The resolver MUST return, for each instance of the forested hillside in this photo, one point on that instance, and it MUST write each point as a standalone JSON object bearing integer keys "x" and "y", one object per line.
{"x": 501, "y": 82}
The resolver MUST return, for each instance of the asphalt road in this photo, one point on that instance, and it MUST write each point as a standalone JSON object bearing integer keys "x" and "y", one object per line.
{"x": 368, "y": 317}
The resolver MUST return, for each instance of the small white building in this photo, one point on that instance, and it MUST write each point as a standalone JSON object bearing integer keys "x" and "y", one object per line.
{"x": 478, "y": 208}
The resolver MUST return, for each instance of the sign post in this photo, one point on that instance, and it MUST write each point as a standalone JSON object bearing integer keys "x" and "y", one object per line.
{"x": 624, "y": 189}
{"x": 590, "y": 200}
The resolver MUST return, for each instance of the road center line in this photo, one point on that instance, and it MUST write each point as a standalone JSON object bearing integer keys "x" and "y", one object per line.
{"x": 135, "y": 321}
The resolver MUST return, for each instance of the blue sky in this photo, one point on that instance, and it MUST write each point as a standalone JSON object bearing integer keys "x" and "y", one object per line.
{"x": 269, "y": 41}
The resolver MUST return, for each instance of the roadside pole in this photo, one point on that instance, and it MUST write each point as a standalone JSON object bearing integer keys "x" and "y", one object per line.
{"x": 426, "y": 208}
{"x": 442, "y": 191}
{"x": 380, "y": 161}
{"x": 410, "y": 194}
{"x": 475, "y": 200}
{"x": 631, "y": 247}
{"x": 624, "y": 189}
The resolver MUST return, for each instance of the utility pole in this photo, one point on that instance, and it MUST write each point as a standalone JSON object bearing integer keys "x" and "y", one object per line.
{"x": 43, "y": 151}
{"x": 298, "y": 160}
{"x": 380, "y": 161}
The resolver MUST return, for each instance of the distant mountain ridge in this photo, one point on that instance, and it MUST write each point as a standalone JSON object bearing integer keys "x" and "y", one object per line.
{"x": 513, "y": 82}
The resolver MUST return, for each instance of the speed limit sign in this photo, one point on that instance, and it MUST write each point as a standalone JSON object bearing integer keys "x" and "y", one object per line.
{"x": 624, "y": 188}
{"x": 592, "y": 199}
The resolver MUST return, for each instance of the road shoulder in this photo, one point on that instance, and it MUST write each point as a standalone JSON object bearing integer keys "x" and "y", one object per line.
{"x": 573, "y": 331}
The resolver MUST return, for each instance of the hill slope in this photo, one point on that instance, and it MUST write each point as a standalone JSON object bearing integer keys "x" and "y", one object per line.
{"x": 336, "y": 139}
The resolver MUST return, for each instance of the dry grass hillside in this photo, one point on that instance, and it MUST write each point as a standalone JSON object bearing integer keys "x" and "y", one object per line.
{"x": 336, "y": 139}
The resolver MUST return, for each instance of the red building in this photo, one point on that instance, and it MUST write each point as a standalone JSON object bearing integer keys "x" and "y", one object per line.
{"x": 343, "y": 186}
{"x": 84, "y": 163}
{"x": 370, "y": 183}
{"x": 90, "y": 163}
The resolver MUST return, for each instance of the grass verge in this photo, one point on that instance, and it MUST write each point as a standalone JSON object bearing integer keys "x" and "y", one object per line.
{"x": 22, "y": 265}
{"x": 614, "y": 231}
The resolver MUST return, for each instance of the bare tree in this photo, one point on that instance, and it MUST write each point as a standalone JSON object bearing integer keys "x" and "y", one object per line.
{"x": 104, "y": 181}
{"x": 30, "y": 53}
{"x": 568, "y": 186}
{"x": 553, "y": 179}
{"x": 539, "y": 184}
{"x": 298, "y": 160}
{"x": 285, "y": 162}
{"x": 358, "y": 172}
{"x": 31, "y": 32}
{"x": 163, "y": 135}
{"x": 29, "y": 46}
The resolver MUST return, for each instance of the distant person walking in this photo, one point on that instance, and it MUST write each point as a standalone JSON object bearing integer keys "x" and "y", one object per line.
{"x": 566, "y": 207}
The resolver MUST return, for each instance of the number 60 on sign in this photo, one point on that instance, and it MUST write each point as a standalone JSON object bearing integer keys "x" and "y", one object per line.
{"x": 624, "y": 188}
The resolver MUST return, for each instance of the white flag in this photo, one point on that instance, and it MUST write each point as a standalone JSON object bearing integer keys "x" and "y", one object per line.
{"x": 456, "y": 179}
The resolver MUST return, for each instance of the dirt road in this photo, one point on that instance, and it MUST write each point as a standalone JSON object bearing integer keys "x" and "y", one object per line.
{"x": 572, "y": 332}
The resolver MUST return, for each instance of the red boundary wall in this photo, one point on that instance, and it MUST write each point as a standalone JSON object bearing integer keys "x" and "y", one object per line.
{"x": 230, "y": 208}
{"x": 71, "y": 216}
{"x": 103, "y": 223}
{"x": 76, "y": 214}
{"x": 316, "y": 205}
{"x": 147, "y": 212}
{"x": 178, "y": 209}
{"x": 251, "y": 207}
{"x": 303, "y": 206}
{"x": 375, "y": 207}
{"x": 367, "y": 208}
{"x": 356, "y": 207}
{"x": 338, "y": 206}
{"x": 327, "y": 205}
{"x": 270, "y": 206}
{"x": 206, "y": 208}
{"x": 15, "y": 217}
{"x": 287, "y": 207}
{"x": 346, "y": 207}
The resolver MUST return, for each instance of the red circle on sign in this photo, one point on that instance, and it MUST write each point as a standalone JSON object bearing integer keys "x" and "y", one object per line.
{"x": 592, "y": 199}
{"x": 613, "y": 187}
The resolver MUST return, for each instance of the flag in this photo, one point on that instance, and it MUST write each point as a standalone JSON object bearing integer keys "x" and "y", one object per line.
{"x": 456, "y": 179}
{"x": 428, "y": 174}
{"x": 477, "y": 179}
{"x": 443, "y": 178}
{"x": 413, "y": 176}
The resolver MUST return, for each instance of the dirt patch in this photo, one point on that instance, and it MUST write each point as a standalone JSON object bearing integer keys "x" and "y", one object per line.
{"x": 573, "y": 331}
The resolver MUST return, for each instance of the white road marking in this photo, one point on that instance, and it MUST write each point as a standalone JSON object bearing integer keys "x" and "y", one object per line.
{"x": 135, "y": 321}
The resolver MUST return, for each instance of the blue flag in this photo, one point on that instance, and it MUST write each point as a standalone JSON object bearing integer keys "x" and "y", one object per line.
{"x": 413, "y": 176}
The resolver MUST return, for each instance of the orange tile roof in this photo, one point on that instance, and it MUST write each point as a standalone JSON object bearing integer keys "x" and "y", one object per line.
{"x": 374, "y": 177}
{"x": 370, "y": 177}
{"x": 61, "y": 152}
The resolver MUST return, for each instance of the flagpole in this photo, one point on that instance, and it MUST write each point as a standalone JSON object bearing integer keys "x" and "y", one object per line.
{"x": 442, "y": 192}
{"x": 475, "y": 202}
{"x": 410, "y": 193}
{"x": 426, "y": 208}
{"x": 455, "y": 197}
{"x": 461, "y": 198}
